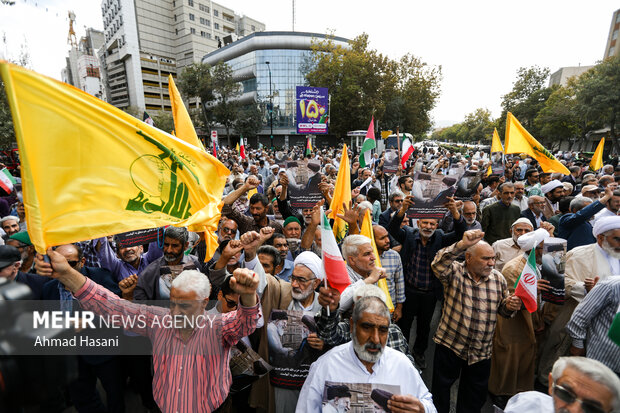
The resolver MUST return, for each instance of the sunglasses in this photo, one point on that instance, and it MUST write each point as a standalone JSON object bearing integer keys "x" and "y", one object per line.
{"x": 227, "y": 230}
{"x": 73, "y": 263}
{"x": 569, "y": 397}
{"x": 230, "y": 303}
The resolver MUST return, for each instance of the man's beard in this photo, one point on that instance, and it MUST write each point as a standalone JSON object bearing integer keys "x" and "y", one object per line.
{"x": 611, "y": 251}
{"x": 427, "y": 232}
{"x": 301, "y": 295}
{"x": 362, "y": 350}
{"x": 172, "y": 257}
{"x": 470, "y": 221}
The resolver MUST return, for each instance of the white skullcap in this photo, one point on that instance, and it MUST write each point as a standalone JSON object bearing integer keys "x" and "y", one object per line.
{"x": 605, "y": 224}
{"x": 530, "y": 401}
{"x": 311, "y": 261}
{"x": 369, "y": 290}
{"x": 522, "y": 220}
{"x": 281, "y": 170}
{"x": 532, "y": 239}
{"x": 550, "y": 186}
{"x": 9, "y": 218}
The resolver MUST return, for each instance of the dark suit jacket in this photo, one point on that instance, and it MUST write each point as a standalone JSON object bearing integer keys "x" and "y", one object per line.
{"x": 527, "y": 213}
{"x": 576, "y": 228}
{"x": 34, "y": 281}
{"x": 385, "y": 217}
{"x": 407, "y": 236}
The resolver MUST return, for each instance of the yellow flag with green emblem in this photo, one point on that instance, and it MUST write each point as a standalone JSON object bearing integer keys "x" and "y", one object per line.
{"x": 519, "y": 140}
{"x": 183, "y": 126}
{"x": 367, "y": 231}
{"x": 597, "y": 159}
{"x": 91, "y": 170}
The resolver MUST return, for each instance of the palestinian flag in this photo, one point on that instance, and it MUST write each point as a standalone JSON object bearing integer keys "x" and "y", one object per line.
{"x": 308, "y": 147}
{"x": 368, "y": 145}
{"x": 7, "y": 182}
{"x": 406, "y": 150}
{"x": 335, "y": 267}
{"x": 146, "y": 118}
{"x": 525, "y": 288}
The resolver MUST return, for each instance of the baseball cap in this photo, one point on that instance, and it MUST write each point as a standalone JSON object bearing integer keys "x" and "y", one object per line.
{"x": 8, "y": 255}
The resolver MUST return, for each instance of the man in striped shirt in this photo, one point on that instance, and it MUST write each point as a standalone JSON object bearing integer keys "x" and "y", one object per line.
{"x": 190, "y": 364}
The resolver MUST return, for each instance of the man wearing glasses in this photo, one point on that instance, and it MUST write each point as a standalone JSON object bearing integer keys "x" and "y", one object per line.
{"x": 576, "y": 384}
{"x": 396, "y": 201}
{"x": 532, "y": 186}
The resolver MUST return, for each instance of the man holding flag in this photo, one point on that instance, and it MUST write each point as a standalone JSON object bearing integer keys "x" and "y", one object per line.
{"x": 514, "y": 345}
{"x": 468, "y": 287}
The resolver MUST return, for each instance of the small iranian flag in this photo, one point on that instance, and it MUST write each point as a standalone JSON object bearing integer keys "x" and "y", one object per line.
{"x": 368, "y": 145}
{"x": 241, "y": 148}
{"x": 335, "y": 269}
{"x": 308, "y": 147}
{"x": 614, "y": 330}
{"x": 7, "y": 182}
{"x": 406, "y": 150}
{"x": 525, "y": 287}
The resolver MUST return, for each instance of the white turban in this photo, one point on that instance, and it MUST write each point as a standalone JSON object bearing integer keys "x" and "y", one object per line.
{"x": 602, "y": 225}
{"x": 311, "y": 261}
{"x": 550, "y": 186}
{"x": 532, "y": 239}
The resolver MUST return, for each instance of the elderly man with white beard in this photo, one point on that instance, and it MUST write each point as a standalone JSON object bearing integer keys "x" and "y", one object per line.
{"x": 366, "y": 359}
{"x": 507, "y": 248}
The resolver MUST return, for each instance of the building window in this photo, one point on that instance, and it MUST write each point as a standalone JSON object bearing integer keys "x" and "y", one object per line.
{"x": 614, "y": 36}
{"x": 191, "y": 17}
{"x": 174, "y": 3}
{"x": 177, "y": 30}
{"x": 192, "y": 30}
{"x": 208, "y": 23}
{"x": 204, "y": 8}
{"x": 618, "y": 18}
{"x": 175, "y": 17}
{"x": 612, "y": 49}
{"x": 216, "y": 26}
{"x": 253, "y": 28}
{"x": 202, "y": 20}
{"x": 216, "y": 13}
{"x": 190, "y": 2}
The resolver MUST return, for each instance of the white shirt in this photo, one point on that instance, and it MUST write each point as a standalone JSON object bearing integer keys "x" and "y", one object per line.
{"x": 341, "y": 365}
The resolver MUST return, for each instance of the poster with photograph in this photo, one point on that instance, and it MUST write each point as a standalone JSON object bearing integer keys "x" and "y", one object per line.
{"x": 497, "y": 163}
{"x": 289, "y": 351}
{"x": 246, "y": 366}
{"x": 304, "y": 177}
{"x": 430, "y": 193}
{"x": 391, "y": 161}
{"x": 357, "y": 397}
{"x": 468, "y": 185}
{"x": 553, "y": 266}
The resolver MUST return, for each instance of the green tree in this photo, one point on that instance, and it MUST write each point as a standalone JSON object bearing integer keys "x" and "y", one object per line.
{"x": 227, "y": 92}
{"x": 7, "y": 132}
{"x": 598, "y": 97}
{"x": 195, "y": 81}
{"x": 558, "y": 120}
{"x": 163, "y": 120}
{"x": 527, "y": 97}
{"x": 249, "y": 120}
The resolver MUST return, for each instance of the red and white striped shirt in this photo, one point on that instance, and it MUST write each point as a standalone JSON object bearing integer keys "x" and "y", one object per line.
{"x": 192, "y": 376}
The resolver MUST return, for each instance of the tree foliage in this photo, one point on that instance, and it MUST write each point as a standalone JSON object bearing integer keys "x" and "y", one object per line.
{"x": 364, "y": 83}
{"x": 476, "y": 127}
{"x": 195, "y": 81}
{"x": 7, "y": 132}
{"x": 249, "y": 120}
{"x": 163, "y": 120}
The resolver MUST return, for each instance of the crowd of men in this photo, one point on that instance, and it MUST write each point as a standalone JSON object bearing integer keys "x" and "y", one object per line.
{"x": 268, "y": 262}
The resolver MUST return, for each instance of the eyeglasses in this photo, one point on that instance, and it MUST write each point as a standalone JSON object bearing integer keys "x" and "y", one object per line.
{"x": 73, "y": 263}
{"x": 301, "y": 280}
{"x": 227, "y": 230}
{"x": 230, "y": 303}
{"x": 569, "y": 397}
{"x": 397, "y": 201}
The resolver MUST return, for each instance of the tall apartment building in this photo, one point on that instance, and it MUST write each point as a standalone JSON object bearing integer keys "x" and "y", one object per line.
{"x": 561, "y": 76}
{"x": 83, "y": 68}
{"x": 613, "y": 48}
{"x": 147, "y": 40}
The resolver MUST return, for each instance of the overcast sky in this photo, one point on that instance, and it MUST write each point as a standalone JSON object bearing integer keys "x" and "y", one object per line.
{"x": 479, "y": 44}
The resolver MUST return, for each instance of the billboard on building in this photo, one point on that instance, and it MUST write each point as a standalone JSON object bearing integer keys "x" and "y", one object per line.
{"x": 312, "y": 110}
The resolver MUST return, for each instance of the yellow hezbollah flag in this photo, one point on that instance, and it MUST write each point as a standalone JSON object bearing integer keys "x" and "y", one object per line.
{"x": 237, "y": 147}
{"x": 342, "y": 194}
{"x": 597, "y": 160}
{"x": 90, "y": 169}
{"x": 182, "y": 122}
{"x": 518, "y": 140}
{"x": 367, "y": 231}
{"x": 496, "y": 144}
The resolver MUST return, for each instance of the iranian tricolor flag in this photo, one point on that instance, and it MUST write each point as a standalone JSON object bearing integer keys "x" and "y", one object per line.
{"x": 241, "y": 148}
{"x": 406, "y": 150}
{"x": 368, "y": 145}
{"x": 525, "y": 288}
{"x": 335, "y": 269}
{"x": 6, "y": 180}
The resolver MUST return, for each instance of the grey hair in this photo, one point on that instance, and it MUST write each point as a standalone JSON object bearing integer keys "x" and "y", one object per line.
{"x": 192, "y": 281}
{"x": 395, "y": 194}
{"x": 593, "y": 369}
{"x": 505, "y": 185}
{"x": 365, "y": 205}
{"x": 369, "y": 290}
{"x": 352, "y": 243}
{"x": 533, "y": 199}
{"x": 579, "y": 203}
{"x": 372, "y": 305}
{"x": 473, "y": 247}
{"x": 178, "y": 233}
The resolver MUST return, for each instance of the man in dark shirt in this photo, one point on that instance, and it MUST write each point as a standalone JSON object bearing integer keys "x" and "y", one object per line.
{"x": 497, "y": 218}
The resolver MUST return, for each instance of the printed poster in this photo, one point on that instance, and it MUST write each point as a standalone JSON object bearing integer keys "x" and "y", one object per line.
{"x": 357, "y": 397}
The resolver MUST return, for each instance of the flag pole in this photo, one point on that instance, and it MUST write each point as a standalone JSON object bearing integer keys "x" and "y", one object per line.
{"x": 398, "y": 143}
{"x": 324, "y": 279}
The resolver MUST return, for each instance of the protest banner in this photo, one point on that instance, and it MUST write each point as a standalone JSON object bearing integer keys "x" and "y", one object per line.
{"x": 139, "y": 237}
{"x": 391, "y": 161}
{"x": 312, "y": 110}
{"x": 468, "y": 185}
{"x": 304, "y": 178}
{"x": 430, "y": 193}
{"x": 553, "y": 265}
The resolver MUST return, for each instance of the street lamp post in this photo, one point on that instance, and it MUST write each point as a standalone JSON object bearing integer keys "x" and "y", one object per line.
{"x": 270, "y": 105}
